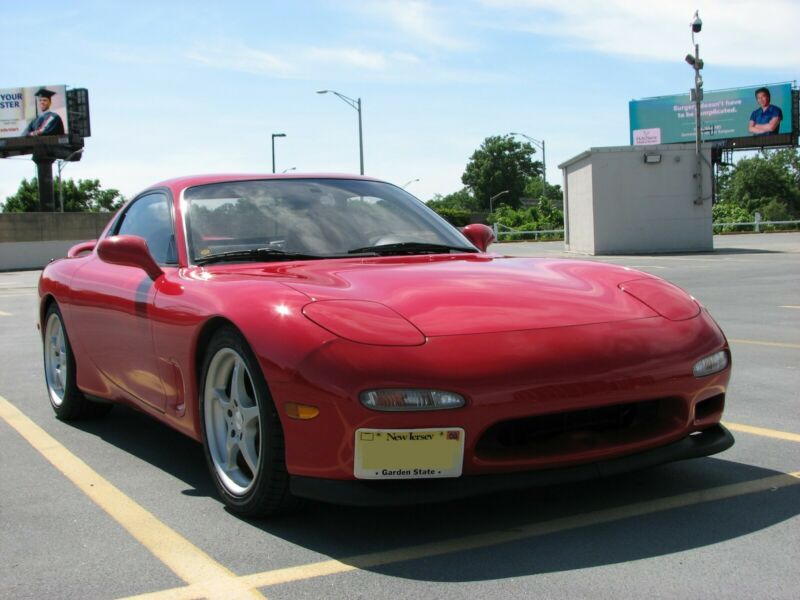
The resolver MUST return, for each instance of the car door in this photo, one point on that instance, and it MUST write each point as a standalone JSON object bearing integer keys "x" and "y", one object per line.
{"x": 113, "y": 304}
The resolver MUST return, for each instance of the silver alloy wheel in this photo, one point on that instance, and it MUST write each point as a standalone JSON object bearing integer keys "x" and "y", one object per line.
{"x": 55, "y": 359}
{"x": 232, "y": 421}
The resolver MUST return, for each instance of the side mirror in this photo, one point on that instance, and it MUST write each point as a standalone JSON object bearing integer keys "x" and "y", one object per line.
{"x": 479, "y": 234}
{"x": 80, "y": 248}
{"x": 128, "y": 251}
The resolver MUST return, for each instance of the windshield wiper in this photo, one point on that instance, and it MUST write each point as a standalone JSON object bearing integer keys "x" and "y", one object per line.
{"x": 412, "y": 248}
{"x": 255, "y": 254}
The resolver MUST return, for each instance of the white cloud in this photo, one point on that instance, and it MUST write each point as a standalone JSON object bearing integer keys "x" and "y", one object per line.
{"x": 237, "y": 57}
{"x": 348, "y": 57}
{"x": 420, "y": 21}
{"x": 734, "y": 31}
{"x": 405, "y": 57}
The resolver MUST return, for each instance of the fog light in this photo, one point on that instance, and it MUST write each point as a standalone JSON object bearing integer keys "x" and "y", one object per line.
{"x": 711, "y": 364}
{"x": 410, "y": 399}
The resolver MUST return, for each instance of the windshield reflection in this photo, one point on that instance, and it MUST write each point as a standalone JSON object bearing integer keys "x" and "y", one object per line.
{"x": 322, "y": 217}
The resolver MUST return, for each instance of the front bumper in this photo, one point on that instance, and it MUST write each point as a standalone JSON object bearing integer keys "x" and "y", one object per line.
{"x": 404, "y": 492}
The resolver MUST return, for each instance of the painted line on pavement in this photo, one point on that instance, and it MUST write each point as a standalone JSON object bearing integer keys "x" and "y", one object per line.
{"x": 472, "y": 542}
{"x": 788, "y": 306}
{"x": 208, "y": 577}
{"x": 771, "y": 433}
{"x": 5, "y": 314}
{"x": 762, "y": 343}
{"x": 646, "y": 267}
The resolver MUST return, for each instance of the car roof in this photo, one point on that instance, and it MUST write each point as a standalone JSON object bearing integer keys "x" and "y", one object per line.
{"x": 181, "y": 183}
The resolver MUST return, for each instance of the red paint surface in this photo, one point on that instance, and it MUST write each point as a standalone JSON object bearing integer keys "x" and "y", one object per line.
{"x": 515, "y": 337}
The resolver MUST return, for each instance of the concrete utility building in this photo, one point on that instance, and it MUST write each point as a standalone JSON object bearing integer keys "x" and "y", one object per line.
{"x": 637, "y": 200}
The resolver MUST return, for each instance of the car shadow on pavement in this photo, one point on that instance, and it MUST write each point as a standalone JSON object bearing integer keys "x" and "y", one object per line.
{"x": 558, "y": 528}
{"x": 552, "y": 529}
{"x": 166, "y": 449}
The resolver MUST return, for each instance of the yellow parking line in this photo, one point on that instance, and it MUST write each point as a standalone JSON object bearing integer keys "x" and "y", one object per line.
{"x": 208, "y": 578}
{"x": 788, "y": 306}
{"x": 761, "y": 343}
{"x": 778, "y": 435}
{"x": 4, "y": 314}
{"x": 365, "y": 561}
{"x": 195, "y": 567}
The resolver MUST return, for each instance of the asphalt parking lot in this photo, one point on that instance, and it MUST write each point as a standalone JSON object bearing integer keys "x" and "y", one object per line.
{"x": 124, "y": 507}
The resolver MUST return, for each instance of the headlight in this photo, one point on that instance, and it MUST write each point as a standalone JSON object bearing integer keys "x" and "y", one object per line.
{"x": 666, "y": 299}
{"x": 711, "y": 364}
{"x": 410, "y": 399}
{"x": 364, "y": 322}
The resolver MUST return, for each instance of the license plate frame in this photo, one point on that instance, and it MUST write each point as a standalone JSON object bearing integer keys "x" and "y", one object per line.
{"x": 429, "y": 453}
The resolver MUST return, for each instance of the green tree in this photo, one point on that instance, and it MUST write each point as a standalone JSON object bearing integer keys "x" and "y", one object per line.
{"x": 461, "y": 200}
{"x": 84, "y": 196}
{"x": 25, "y": 200}
{"x": 501, "y": 163}
{"x": 534, "y": 189}
{"x": 770, "y": 179}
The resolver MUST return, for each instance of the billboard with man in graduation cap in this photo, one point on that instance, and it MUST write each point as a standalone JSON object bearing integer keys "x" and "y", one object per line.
{"x": 35, "y": 111}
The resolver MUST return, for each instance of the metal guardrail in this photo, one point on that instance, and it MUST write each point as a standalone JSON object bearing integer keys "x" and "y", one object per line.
{"x": 757, "y": 225}
{"x": 500, "y": 229}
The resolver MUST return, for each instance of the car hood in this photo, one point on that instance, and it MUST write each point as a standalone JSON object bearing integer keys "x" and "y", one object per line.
{"x": 470, "y": 294}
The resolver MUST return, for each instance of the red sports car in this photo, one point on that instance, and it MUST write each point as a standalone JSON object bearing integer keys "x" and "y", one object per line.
{"x": 331, "y": 337}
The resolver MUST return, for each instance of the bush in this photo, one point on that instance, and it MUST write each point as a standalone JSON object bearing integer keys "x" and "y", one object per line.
{"x": 729, "y": 212}
{"x": 775, "y": 210}
{"x": 458, "y": 217}
{"x": 543, "y": 216}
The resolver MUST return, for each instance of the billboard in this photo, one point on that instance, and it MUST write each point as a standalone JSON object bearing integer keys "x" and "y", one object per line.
{"x": 724, "y": 114}
{"x": 36, "y": 111}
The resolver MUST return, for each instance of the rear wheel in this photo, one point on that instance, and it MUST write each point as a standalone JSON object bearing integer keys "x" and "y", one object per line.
{"x": 59, "y": 372}
{"x": 242, "y": 434}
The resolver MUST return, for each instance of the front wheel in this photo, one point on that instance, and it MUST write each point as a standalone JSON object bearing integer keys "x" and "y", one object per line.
{"x": 242, "y": 434}
{"x": 59, "y": 373}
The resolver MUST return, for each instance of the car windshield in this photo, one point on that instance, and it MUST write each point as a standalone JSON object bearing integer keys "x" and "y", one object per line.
{"x": 281, "y": 219}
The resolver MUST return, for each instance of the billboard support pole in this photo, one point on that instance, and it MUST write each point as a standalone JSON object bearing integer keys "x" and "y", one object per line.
{"x": 44, "y": 174}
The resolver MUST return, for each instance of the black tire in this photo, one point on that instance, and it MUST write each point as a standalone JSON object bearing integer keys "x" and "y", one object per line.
{"x": 242, "y": 434}
{"x": 67, "y": 400}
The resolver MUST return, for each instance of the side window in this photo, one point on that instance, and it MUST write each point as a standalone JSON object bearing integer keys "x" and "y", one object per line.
{"x": 150, "y": 218}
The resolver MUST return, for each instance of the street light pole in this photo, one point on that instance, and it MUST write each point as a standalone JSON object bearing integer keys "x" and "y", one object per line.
{"x": 540, "y": 144}
{"x": 60, "y": 165}
{"x": 274, "y": 135}
{"x": 355, "y": 104}
{"x": 493, "y": 198}
{"x": 409, "y": 182}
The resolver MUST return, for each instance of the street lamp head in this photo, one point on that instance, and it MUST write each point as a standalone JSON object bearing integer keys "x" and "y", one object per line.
{"x": 278, "y": 135}
{"x": 697, "y": 22}
{"x": 323, "y": 91}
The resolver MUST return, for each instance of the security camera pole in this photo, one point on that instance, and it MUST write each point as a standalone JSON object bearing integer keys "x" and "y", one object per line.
{"x": 697, "y": 93}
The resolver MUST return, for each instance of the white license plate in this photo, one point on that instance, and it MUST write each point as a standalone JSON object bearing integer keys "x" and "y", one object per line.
{"x": 409, "y": 453}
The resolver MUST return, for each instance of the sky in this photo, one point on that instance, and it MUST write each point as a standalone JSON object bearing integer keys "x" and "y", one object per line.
{"x": 180, "y": 88}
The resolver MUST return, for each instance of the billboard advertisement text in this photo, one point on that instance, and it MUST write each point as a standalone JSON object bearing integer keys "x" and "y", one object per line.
{"x": 724, "y": 114}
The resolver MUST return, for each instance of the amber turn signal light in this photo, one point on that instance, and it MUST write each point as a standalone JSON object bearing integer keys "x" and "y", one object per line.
{"x": 300, "y": 411}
